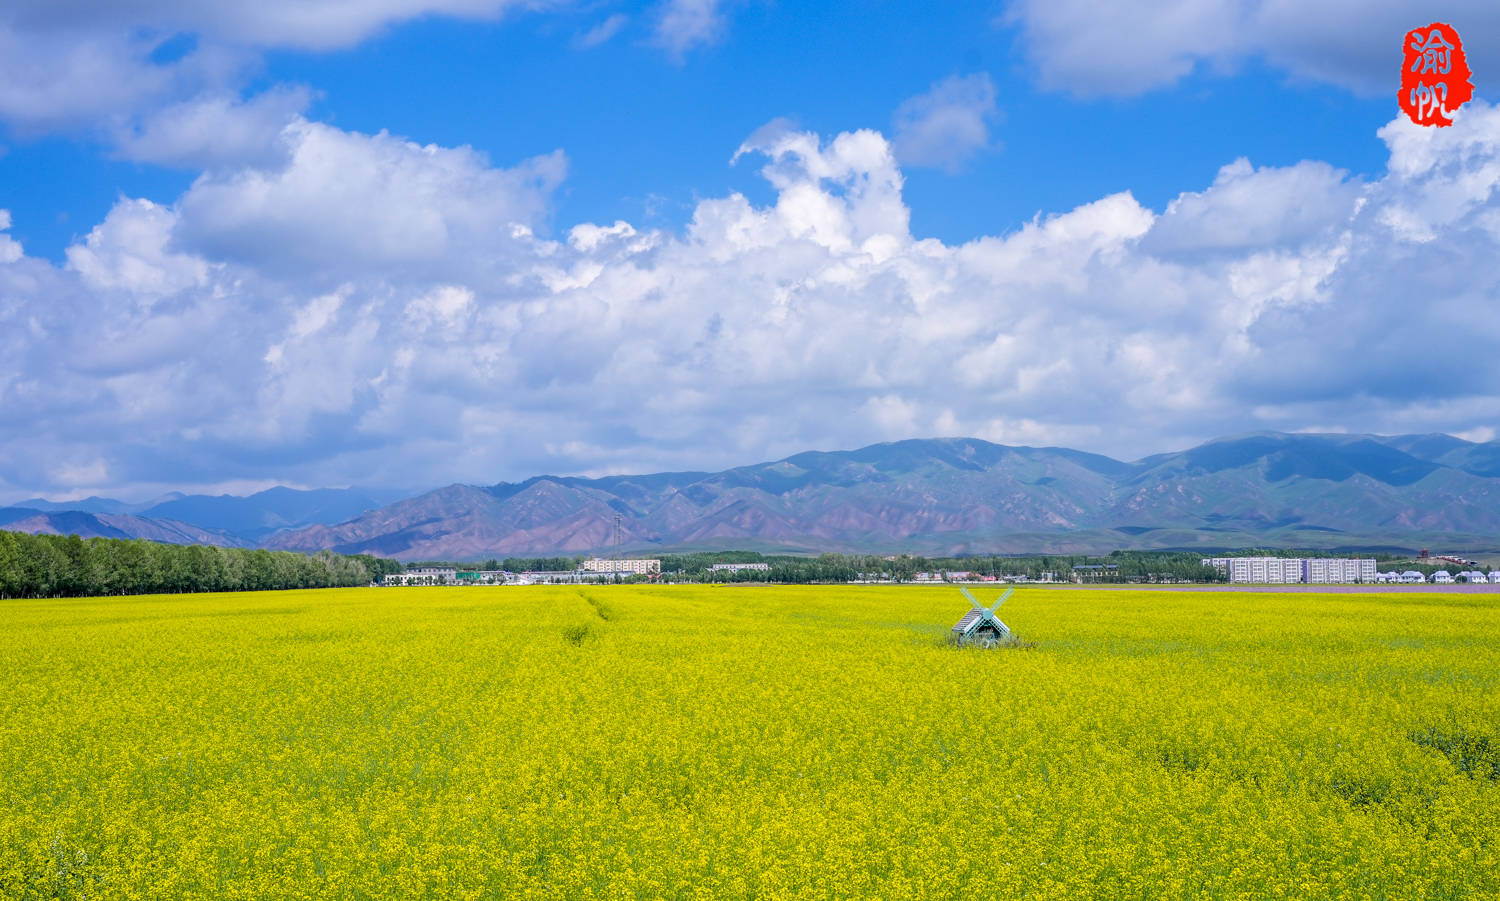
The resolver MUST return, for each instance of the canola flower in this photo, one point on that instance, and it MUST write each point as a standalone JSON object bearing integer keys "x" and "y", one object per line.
{"x": 714, "y": 742}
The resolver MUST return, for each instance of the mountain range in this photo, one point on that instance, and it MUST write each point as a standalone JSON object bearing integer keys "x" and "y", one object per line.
{"x": 934, "y": 496}
{"x": 225, "y": 520}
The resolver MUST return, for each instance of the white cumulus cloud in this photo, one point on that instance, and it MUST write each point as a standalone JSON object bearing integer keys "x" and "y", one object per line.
{"x": 946, "y": 126}
{"x": 10, "y": 248}
{"x": 602, "y": 33}
{"x": 216, "y": 131}
{"x": 162, "y": 78}
{"x": 346, "y": 201}
{"x": 1129, "y": 47}
{"x": 682, "y": 25}
{"x": 373, "y": 310}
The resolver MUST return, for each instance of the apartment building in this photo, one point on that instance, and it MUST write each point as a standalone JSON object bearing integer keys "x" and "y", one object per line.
{"x": 1293, "y": 570}
{"x": 1332, "y": 569}
{"x": 635, "y": 567}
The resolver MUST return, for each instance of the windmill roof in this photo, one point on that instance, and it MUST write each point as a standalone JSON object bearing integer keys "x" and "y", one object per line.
{"x": 971, "y": 621}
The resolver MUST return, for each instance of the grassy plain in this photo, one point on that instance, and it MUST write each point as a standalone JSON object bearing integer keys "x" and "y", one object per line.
{"x": 726, "y": 742}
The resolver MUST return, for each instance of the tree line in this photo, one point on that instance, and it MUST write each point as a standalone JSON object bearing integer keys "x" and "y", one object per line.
{"x": 509, "y": 564}
{"x": 69, "y": 566}
{"x": 1118, "y": 566}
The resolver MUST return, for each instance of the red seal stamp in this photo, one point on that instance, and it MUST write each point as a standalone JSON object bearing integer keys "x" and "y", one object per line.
{"x": 1434, "y": 75}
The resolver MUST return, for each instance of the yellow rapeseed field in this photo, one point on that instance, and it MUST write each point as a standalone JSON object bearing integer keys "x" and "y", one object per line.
{"x": 708, "y": 742}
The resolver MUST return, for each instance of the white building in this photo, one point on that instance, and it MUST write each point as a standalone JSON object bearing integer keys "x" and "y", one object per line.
{"x": 1495, "y": 577}
{"x": 736, "y": 567}
{"x": 1442, "y": 577}
{"x": 1337, "y": 569}
{"x": 1265, "y": 570}
{"x": 1273, "y": 570}
{"x": 1411, "y": 576}
{"x": 634, "y": 567}
{"x": 1474, "y": 577}
{"x": 423, "y": 575}
{"x": 1292, "y": 570}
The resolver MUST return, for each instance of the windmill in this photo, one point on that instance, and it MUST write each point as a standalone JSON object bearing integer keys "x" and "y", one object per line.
{"x": 981, "y": 626}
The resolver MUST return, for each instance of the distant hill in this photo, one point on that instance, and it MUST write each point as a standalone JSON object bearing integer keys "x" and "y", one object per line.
{"x": 964, "y": 495}
{"x": 84, "y": 505}
{"x": 225, "y": 519}
{"x": 258, "y": 515}
{"x": 111, "y": 525}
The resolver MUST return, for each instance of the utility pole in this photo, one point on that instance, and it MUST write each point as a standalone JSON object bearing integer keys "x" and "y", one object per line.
{"x": 618, "y": 537}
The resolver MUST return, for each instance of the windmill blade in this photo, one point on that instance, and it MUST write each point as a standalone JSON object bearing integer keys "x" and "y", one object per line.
{"x": 973, "y": 600}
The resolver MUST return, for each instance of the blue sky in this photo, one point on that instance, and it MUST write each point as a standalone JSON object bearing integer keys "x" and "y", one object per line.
{"x": 439, "y": 240}
{"x": 648, "y": 133}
